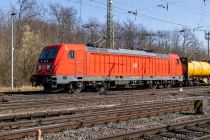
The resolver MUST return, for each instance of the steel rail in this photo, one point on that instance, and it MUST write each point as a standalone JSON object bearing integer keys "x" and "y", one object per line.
{"x": 114, "y": 91}
{"x": 92, "y": 118}
{"x": 30, "y": 99}
{"x": 68, "y": 100}
{"x": 79, "y": 110}
{"x": 85, "y": 99}
{"x": 158, "y": 131}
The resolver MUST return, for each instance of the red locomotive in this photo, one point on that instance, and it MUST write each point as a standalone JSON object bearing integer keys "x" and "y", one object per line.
{"x": 75, "y": 66}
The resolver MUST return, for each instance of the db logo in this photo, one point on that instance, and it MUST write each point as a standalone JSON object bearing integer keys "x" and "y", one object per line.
{"x": 135, "y": 65}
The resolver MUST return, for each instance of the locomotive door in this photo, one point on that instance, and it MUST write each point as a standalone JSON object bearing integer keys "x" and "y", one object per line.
{"x": 173, "y": 67}
{"x": 80, "y": 63}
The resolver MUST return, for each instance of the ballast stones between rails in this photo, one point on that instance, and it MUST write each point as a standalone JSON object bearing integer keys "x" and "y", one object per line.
{"x": 196, "y": 129}
{"x": 91, "y": 118}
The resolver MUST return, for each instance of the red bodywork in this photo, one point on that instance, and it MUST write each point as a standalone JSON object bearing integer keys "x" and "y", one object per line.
{"x": 90, "y": 63}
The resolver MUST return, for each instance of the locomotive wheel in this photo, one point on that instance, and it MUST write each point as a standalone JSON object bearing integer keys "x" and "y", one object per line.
{"x": 165, "y": 85}
{"x": 100, "y": 89}
{"x": 190, "y": 83}
{"x": 75, "y": 87}
{"x": 103, "y": 89}
{"x": 46, "y": 87}
{"x": 153, "y": 86}
{"x": 77, "y": 90}
{"x": 68, "y": 89}
{"x": 197, "y": 83}
{"x": 168, "y": 85}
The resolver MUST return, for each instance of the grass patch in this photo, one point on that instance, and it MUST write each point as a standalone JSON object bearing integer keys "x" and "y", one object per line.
{"x": 20, "y": 89}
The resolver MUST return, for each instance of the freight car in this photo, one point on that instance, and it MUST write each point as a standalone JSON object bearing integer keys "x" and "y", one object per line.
{"x": 195, "y": 72}
{"x": 76, "y": 66}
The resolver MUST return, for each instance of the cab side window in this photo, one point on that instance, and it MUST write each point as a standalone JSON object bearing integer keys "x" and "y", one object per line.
{"x": 177, "y": 61}
{"x": 71, "y": 54}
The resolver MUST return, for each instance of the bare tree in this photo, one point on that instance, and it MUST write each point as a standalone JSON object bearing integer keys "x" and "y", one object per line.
{"x": 27, "y": 10}
{"x": 33, "y": 32}
{"x": 66, "y": 19}
{"x": 129, "y": 35}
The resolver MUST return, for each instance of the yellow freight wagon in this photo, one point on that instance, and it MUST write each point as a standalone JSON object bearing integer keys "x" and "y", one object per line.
{"x": 196, "y": 68}
{"x": 199, "y": 71}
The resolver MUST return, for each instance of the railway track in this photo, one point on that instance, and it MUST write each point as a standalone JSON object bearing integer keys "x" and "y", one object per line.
{"x": 196, "y": 130}
{"x": 48, "y": 99}
{"x": 33, "y": 103}
{"x": 14, "y": 95}
{"x": 23, "y": 127}
{"x": 18, "y": 104}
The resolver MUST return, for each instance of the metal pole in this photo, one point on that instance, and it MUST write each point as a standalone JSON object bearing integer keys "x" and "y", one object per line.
{"x": 110, "y": 29}
{"x": 12, "y": 55}
{"x": 183, "y": 50}
{"x": 183, "y": 45}
{"x": 208, "y": 46}
{"x": 80, "y": 14}
{"x": 207, "y": 36}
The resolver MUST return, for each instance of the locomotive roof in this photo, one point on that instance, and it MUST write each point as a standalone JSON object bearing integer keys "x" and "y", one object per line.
{"x": 126, "y": 51}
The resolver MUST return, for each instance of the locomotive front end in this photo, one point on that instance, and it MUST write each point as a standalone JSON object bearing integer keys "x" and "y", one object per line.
{"x": 45, "y": 68}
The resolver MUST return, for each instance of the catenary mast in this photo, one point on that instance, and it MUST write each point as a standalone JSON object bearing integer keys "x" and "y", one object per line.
{"x": 110, "y": 25}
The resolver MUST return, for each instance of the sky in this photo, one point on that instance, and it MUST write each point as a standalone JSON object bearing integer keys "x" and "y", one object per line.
{"x": 152, "y": 14}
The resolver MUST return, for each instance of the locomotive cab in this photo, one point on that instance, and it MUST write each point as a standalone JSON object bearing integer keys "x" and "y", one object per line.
{"x": 45, "y": 67}
{"x": 46, "y": 60}
{"x": 56, "y": 65}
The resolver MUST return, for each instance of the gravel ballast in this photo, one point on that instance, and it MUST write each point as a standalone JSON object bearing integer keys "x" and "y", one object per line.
{"x": 124, "y": 126}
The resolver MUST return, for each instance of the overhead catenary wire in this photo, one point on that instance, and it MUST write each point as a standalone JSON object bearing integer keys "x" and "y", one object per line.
{"x": 146, "y": 16}
{"x": 174, "y": 4}
{"x": 185, "y": 10}
{"x": 201, "y": 15}
{"x": 154, "y": 6}
{"x": 125, "y": 11}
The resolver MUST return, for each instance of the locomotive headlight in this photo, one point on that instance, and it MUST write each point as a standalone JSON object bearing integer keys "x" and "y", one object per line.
{"x": 39, "y": 67}
{"x": 48, "y": 67}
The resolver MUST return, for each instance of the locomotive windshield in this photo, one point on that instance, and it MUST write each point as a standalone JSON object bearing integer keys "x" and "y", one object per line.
{"x": 48, "y": 53}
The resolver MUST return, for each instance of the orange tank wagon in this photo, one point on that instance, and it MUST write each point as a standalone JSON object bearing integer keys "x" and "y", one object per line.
{"x": 77, "y": 66}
